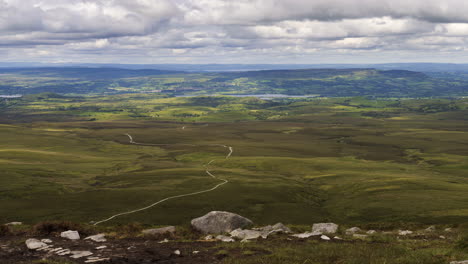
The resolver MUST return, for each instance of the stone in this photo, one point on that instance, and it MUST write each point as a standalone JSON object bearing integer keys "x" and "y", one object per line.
{"x": 371, "y": 232}
{"x": 325, "y": 228}
{"x": 430, "y": 229}
{"x": 225, "y": 238}
{"x": 80, "y": 254}
{"x": 101, "y": 247}
{"x": 337, "y": 237}
{"x": 353, "y": 230}
{"x": 72, "y": 235}
{"x": 404, "y": 232}
{"x": 163, "y": 241}
{"x": 97, "y": 238}
{"x": 307, "y": 234}
{"x": 195, "y": 252}
{"x": 218, "y": 222}
{"x": 96, "y": 260}
{"x": 160, "y": 231}
{"x": 14, "y": 223}
{"x": 245, "y": 234}
{"x": 46, "y": 240}
{"x": 359, "y": 236}
{"x": 209, "y": 237}
{"x": 442, "y": 237}
{"x": 459, "y": 262}
{"x": 448, "y": 229}
{"x": 177, "y": 252}
{"x": 33, "y": 243}
{"x": 324, "y": 237}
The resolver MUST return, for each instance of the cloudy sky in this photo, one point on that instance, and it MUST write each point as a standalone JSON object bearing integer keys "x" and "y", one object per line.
{"x": 234, "y": 31}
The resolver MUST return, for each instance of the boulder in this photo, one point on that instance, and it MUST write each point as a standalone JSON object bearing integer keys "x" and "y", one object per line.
{"x": 271, "y": 229}
{"x": 218, "y": 222}
{"x": 353, "y": 230}
{"x": 246, "y": 234}
{"x": 325, "y": 228}
{"x": 160, "y": 231}
{"x": 307, "y": 234}
{"x": 33, "y": 243}
{"x": 72, "y": 235}
{"x": 97, "y": 238}
{"x": 225, "y": 238}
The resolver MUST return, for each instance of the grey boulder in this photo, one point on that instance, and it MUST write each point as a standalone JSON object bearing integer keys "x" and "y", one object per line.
{"x": 325, "y": 228}
{"x": 218, "y": 222}
{"x": 33, "y": 243}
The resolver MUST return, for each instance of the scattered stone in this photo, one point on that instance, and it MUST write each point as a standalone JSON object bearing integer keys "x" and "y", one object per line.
{"x": 448, "y": 229}
{"x": 163, "y": 241}
{"x": 459, "y": 262}
{"x": 72, "y": 235}
{"x": 101, "y": 247}
{"x": 404, "y": 232}
{"x": 33, "y": 243}
{"x": 337, "y": 237}
{"x": 177, "y": 252}
{"x": 80, "y": 254}
{"x": 359, "y": 236}
{"x": 96, "y": 260}
{"x": 307, "y": 234}
{"x": 430, "y": 229}
{"x": 324, "y": 237}
{"x": 371, "y": 232}
{"x": 225, "y": 238}
{"x": 353, "y": 230}
{"x": 55, "y": 250}
{"x": 217, "y": 222}
{"x": 442, "y": 237}
{"x": 160, "y": 231}
{"x": 325, "y": 228}
{"x": 195, "y": 252}
{"x": 97, "y": 238}
{"x": 46, "y": 240}
{"x": 14, "y": 223}
{"x": 209, "y": 237}
{"x": 63, "y": 252}
{"x": 245, "y": 234}
{"x": 44, "y": 248}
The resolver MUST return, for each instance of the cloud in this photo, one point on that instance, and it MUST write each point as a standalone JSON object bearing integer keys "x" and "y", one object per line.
{"x": 209, "y": 30}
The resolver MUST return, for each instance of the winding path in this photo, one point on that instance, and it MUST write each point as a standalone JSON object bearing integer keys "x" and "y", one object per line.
{"x": 223, "y": 181}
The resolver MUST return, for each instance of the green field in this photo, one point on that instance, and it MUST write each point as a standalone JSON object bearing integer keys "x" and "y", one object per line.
{"x": 346, "y": 160}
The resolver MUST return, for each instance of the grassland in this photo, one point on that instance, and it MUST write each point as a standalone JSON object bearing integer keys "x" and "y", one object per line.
{"x": 347, "y": 160}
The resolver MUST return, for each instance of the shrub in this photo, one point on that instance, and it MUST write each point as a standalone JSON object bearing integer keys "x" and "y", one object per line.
{"x": 51, "y": 227}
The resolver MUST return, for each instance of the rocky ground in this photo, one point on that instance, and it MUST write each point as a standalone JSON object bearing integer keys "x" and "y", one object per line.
{"x": 217, "y": 237}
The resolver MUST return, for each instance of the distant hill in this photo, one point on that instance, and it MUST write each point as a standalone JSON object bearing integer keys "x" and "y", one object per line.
{"x": 321, "y": 82}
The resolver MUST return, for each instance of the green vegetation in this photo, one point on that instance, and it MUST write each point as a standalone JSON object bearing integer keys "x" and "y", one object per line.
{"x": 297, "y": 161}
{"x": 316, "y": 82}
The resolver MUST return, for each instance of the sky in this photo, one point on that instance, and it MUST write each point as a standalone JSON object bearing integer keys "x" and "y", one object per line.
{"x": 228, "y": 31}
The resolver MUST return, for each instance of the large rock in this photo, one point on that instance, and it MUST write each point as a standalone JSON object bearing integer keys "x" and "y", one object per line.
{"x": 33, "y": 243}
{"x": 217, "y": 222}
{"x": 160, "y": 231}
{"x": 325, "y": 228}
{"x": 270, "y": 229}
{"x": 72, "y": 235}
